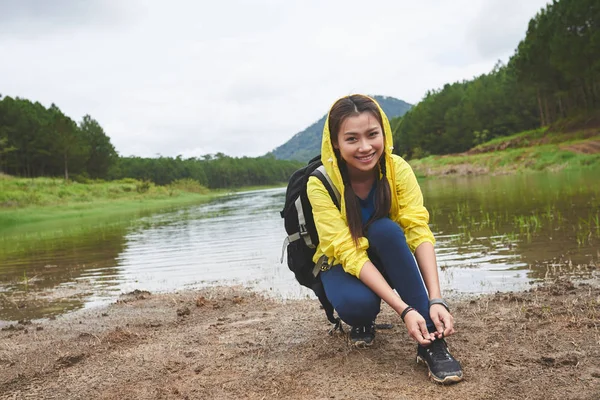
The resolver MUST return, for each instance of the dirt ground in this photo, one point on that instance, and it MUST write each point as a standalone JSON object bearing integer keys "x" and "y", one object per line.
{"x": 230, "y": 343}
{"x": 588, "y": 147}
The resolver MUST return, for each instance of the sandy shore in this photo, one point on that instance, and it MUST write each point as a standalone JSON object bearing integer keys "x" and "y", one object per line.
{"x": 230, "y": 343}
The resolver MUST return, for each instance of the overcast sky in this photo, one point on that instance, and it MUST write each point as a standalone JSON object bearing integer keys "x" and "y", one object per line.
{"x": 240, "y": 77}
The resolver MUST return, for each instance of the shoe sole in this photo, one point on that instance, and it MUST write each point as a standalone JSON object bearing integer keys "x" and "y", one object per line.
{"x": 361, "y": 344}
{"x": 446, "y": 381}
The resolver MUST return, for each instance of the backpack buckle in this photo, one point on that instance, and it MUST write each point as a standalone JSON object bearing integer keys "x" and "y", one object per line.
{"x": 321, "y": 265}
{"x": 302, "y": 230}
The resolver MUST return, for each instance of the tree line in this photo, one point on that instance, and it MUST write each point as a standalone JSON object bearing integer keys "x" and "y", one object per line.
{"x": 213, "y": 171}
{"x": 38, "y": 141}
{"x": 553, "y": 75}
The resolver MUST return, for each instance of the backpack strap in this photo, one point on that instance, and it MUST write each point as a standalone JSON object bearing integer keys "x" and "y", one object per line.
{"x": 328, "y": 183}
{"x": 321, "y": 174}
{"x": 303, "y": 233}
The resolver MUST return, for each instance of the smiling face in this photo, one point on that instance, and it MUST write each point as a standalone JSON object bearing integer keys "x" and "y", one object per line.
{"x": 360, "y": 142}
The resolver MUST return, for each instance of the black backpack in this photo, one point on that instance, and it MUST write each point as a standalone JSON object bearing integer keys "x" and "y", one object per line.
{"x": 302, "y": 237}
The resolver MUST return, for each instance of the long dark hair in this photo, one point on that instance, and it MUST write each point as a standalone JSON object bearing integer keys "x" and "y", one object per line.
{"x": 342, "y": 109}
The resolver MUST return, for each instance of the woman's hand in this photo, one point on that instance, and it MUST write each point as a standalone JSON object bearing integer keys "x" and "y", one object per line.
{"x": 443, "y": 321}
{"x": 417, "y": 328}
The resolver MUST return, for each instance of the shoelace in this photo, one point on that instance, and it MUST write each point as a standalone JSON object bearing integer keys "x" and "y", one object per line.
{"x": 438, "y": 351}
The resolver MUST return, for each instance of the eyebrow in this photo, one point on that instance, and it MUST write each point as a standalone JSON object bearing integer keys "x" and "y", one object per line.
{"x": 373, "y": 129}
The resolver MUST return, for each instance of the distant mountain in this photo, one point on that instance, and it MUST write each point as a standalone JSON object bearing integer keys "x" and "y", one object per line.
{"x": 307, "y": 144}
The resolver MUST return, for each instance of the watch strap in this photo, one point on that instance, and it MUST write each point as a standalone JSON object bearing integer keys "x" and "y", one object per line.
{"x": 439, "y": 301}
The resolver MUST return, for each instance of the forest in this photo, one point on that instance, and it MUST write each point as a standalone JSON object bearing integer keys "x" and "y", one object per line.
{"x": 553, "y": 76}
{"x": 38, "y": 141}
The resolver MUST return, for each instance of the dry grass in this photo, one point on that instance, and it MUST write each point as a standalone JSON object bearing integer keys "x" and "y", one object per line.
{"x": 541, "y": 344}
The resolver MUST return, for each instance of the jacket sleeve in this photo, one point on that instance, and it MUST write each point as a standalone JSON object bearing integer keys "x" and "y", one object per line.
{"x": 412, "y": 216}
{"x": 335, "y": 240}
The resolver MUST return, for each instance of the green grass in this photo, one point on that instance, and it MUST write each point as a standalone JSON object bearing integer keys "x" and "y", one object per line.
{"x": 522, "y": 139}
{"x": 540, "y": 136}
{"x": 27, "y": 201}
{"x": 539, "y": 157}
{"x": 24, "y": 192}
{"x": 94, "y": 210}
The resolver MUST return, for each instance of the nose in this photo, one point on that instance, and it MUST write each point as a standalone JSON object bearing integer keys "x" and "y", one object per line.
{"x": 365, "y": 146}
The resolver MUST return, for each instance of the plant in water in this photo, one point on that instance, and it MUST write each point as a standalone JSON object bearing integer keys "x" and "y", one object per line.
{"x": 549, "y": 212}
{"x": 510, "y": 239}
{"x": 584, "y": 232}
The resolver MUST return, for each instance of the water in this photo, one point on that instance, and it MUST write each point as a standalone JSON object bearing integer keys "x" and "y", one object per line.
{"x": 493, "y": 233}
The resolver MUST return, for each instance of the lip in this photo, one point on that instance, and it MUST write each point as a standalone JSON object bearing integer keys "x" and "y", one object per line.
{"x": 366, "y": 159}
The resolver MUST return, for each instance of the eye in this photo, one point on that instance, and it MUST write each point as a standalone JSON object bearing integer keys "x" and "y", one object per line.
{"x": 350, "y": 139}
{"x": 374, "y": 133}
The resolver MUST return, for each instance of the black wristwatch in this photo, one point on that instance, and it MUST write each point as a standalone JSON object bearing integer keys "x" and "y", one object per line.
{"x": 439, "y": 301}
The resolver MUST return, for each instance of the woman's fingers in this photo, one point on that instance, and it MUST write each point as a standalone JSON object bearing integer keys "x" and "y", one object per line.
{"x": 424, "y": 331}
{"x": 417, "y": 328}
{"x": 443, "y": 321}
{"x": 448, "y": 321}
{"x": 418, "y": 336}
{"x": 439, "y": 326}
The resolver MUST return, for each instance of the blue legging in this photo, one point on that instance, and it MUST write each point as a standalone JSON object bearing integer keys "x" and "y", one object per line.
{"x": 358, "y": 305}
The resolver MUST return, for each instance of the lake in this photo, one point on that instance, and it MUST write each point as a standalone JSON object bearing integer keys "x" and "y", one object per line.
{"x": 494, "y": 233}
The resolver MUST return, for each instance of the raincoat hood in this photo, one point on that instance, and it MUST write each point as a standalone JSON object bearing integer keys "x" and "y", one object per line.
{"x": 331, "y": 164}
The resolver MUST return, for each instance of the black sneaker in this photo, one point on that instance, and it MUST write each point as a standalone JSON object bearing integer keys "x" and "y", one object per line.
{"x": 443, "y": 368}
{"x": 362, "y": 336}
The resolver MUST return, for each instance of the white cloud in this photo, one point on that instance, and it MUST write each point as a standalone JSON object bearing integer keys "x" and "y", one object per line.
{"x": 500, "y": 25}
{"x": 240, "y": 77}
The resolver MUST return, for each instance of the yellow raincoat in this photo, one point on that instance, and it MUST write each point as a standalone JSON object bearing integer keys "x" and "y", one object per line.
{"x": 335, "y": 241}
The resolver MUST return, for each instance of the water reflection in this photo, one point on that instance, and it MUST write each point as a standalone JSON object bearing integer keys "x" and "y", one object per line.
{"x": 510, "y": 228}
{"x": 49, "y": 268}
{"x": 493, "y": 233}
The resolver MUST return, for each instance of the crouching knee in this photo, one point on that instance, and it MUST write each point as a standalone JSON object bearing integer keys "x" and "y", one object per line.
{"x": 357, "y": 310}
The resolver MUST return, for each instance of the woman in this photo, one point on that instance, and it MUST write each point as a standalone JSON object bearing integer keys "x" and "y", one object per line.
{"x": 369, "y": 244}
